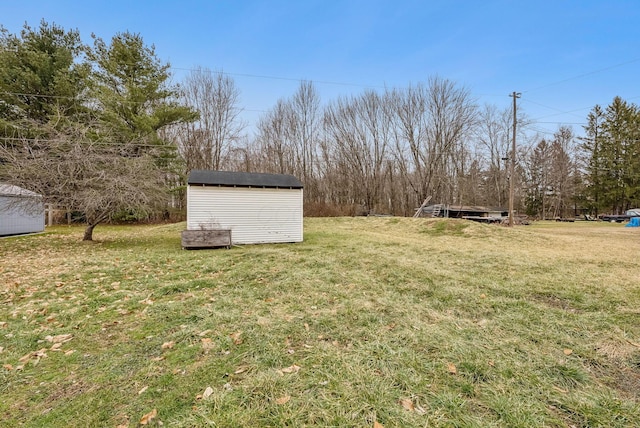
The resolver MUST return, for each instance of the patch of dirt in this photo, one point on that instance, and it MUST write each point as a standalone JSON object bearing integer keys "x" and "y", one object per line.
{"x": 555, "y": 302}
{"x": 622, "y": 373}
{"x": 68, "y": 390}
{"x": 570, "y": 417}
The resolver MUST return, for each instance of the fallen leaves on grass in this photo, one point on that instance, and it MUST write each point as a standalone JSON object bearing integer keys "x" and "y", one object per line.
{"x": 237, "y": 340}
{"x": 168, "y": 345}
{"x": 143, "y": 390}
{"x": 377, "y": 424}
{"x": 36, "y": 355}
{"x": 568, "y": 352}
{"x": 241, "y": 369}
{"x": 207, "y": 344}
{"x": 451, "y": 368}
{"x": 291, "y": 369}
{"x": 149, "y": 417}
{"x": 283, "y": 400}
{"x": 207, "y": 393}
{"x": 61, "y": 338}
{"x": 407, "y": 404}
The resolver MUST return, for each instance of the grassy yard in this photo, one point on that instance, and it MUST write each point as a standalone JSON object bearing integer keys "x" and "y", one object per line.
{"x": 385, "y": 322}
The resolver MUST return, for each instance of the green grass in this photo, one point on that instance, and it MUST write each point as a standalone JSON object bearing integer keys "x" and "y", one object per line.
{"x": 404, "y": 322}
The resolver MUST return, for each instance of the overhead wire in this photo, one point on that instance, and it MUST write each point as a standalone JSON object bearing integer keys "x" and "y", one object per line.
{"x": 328, "y": 82}
{"x": 579, "y": 76}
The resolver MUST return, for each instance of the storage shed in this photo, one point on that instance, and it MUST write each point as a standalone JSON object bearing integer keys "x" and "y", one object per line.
{"x": 21, "y": 211}
{"x": 257, "y": 208}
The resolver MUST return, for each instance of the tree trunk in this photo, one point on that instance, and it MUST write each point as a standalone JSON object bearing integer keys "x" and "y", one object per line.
{"x": 88, "y": 232}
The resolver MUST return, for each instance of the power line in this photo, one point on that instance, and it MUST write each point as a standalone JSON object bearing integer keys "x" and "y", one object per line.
{"x": 289, "y": 79}
{"x": 583, "y": 75}
{"x": 563, "y": 123}
{"x": 569, "y": 111}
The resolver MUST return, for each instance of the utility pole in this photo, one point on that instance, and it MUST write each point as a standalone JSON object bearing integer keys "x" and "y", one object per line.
{"x": 512, "y": 168}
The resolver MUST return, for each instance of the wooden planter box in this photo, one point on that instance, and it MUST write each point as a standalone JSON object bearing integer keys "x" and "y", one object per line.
{"x": 213, "y": 238}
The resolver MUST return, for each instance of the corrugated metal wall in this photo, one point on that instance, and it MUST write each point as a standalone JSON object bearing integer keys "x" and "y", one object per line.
{"x": 15, "y": 219}
{"x": 254, "y": 215}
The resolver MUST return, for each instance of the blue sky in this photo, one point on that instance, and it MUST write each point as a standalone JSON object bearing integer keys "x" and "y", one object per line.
{"x": 564, "y": 56}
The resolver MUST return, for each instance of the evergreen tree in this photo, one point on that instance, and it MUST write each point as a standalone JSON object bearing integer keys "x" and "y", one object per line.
{"x": 100, "y": 155}
{"x": 43, "y": 76}
{"x": 612, "y": 145}
{"x": 132, "y": 90}
{"x": 592, "y": 145}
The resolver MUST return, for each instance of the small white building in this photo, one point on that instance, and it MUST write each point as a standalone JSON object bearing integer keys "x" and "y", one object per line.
{"x": 257, "y": 208}
{"x": 21, "y": 211}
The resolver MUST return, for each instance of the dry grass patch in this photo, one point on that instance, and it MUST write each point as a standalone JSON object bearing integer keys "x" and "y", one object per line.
{"x": 403, "y": 322}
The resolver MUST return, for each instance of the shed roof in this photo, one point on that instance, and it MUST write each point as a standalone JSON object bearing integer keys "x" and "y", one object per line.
{"x": 243, "y": 179}
{"x": 11, "y": 190}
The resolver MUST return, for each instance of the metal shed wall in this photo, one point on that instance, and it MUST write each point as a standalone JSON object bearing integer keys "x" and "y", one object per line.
{"x": 16, "y": 219}
{"x": 254, "y": 215}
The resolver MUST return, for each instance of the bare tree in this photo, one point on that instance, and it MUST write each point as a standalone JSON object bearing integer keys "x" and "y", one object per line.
{"x": 276, "y": 151}
{"x": 410, "y": 141}
{"x": 288, "y": 138}
{"x": 97, "y": 178}
{"x": 205, "y": 143}
{"x": 358, "y": 137}
{"x": 494, "y": 138}
{"x": 432, "y": 126}
{"x": 304, "y": 126}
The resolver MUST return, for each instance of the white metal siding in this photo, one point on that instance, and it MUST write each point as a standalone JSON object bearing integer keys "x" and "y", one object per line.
{"x": 15, "y": 220}
{"x": 254, "y": 215}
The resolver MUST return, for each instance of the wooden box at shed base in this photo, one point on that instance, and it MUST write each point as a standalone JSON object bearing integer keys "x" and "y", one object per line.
{"x": 213, "y": 238}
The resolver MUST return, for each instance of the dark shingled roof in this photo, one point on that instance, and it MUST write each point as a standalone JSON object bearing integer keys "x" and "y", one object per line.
{"x": 242, "y": 179}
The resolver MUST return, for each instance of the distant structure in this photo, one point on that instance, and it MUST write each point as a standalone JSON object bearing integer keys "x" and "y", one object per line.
{"x": 21, "y": 211}
{"x": 254, "y": 208}
{"x": 467, "y": 212}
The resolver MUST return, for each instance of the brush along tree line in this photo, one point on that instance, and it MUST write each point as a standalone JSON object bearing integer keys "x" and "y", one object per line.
{"x": 101, "y": 130}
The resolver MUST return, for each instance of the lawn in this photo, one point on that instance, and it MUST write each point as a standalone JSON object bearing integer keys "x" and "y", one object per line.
{"x": 370, "y": 322}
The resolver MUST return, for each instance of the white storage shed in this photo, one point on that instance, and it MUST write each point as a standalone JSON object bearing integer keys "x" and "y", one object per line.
{"x": 257, "y": 208}
{"x": 21, "y": 211}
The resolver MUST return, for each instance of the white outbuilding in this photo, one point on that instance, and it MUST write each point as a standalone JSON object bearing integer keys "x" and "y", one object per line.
{"x": 256, "y": 208}
{"x": 21, "y": 211}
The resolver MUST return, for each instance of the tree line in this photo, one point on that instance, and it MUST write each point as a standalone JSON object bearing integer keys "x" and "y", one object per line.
{"x": 101, "y": 130}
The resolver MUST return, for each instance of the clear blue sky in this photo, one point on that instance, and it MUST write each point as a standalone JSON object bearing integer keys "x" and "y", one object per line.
{"x": 564, "y": 56}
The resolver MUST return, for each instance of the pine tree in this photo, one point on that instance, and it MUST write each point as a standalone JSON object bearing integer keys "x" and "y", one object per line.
{"x": 43, "y": 75}
{"x": 612, "y": 145}
{"x": 131, "y": 87}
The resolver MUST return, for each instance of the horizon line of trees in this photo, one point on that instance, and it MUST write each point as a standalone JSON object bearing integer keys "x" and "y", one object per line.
{"x": 102, "y": 131}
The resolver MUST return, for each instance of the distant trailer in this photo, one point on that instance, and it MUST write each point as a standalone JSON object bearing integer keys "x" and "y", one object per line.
{"x": 21, "y": 211}
{"x": 482, "y": 219}
{"x": 255, "y": 208}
